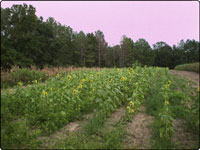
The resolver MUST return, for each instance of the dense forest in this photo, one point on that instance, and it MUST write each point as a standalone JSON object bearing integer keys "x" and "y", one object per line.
{"x": 28, "y": 40}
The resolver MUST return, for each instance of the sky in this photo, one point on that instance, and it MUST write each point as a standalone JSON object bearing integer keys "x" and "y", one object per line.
{"x": 168, "y": 21}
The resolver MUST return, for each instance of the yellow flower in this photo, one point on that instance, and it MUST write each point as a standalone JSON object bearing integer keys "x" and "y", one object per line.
{"x": 131, "y": 70}
{"x": 75, "y": 91}
{"x": 118, "y": 70}
{"x": 20, "y": 83}
{"x": 131, "y": 103}
{"x": 51, "y": 89}
{"x": 68, "y": 77}
{"x": 11, "y": 90}
{"x": 130, "y": 111}
{"x": 83, "y": 80}
{"x": 136, "y": 83}
{"x": 36, "y": 81}
{"x": 123, "y": 78}
{"x": 80, "y": 86}
{"x": 128, "y": 107}
{"x": 166, "y": 102}
{"x": 57, "y": 75}
{"x": 44, "y": 93}
{"x": 169, "y": 83}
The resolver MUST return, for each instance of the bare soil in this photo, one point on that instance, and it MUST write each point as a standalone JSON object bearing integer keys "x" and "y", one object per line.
{"x": 187, "y": 75}
{"x": 185, "y": 139}
{"x": 63, "y": 132}
{"x": 139, "y": 131}
{"x": 116, "y": 116}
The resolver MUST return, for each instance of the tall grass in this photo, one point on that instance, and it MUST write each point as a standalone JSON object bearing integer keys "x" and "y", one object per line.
{"x": 10, "y": 79}
{"x": 194, "y": 67}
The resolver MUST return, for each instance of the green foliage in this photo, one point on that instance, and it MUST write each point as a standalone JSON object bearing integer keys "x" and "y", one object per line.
{"x": 27, "y": 76}
{"x": 187, "y": 103}
{"x": 94, "y": 124}
{"x": 194, "y": 67}
{"x": 28, "y": 40}
{"x": 104, "y": 138}
{"x": 114, "y": 137}
{"x": 163, "y": 55}
{"x": 165, "y": 102}
{"x": 157, "y": 142}
{"x": 158, "y": 104}
{"x": 176, "y": 99}
{"x": 67, "y": 97}
{"x": 17, "y": 135}
{"x": 143, "y": 53}
{"x": 193, "y": 109}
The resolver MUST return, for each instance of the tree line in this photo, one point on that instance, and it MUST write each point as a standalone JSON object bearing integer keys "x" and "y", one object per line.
{"x": 29, "y": 40}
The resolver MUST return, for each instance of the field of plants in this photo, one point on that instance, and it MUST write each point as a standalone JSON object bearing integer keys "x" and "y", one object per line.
{"x": 188, "y": 67}
{"x": 92, "y": 108}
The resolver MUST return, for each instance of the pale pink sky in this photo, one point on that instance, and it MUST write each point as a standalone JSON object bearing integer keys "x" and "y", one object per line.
{"x": 168, "y": 21}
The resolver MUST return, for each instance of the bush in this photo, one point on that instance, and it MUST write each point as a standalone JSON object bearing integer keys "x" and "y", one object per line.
{"x": 188, "y": 67}
{"x": 26, "y": 76}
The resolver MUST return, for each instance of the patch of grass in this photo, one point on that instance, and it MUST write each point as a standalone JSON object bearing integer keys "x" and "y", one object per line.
{"x": 94, "y": 138}
{"x": 66, "y": 98}
{"x": 18, "y": 135}
{"x": 185, "y": 103}
{"x": 157, "y": 141}
{"x": 155, "y": 103}
{"x": 25, "y": 76}
{"x": 114, "y": 137}
{"x": 94, "y": 124}
{"x": 79, "y": 141}
{"x": 6, "y": 84}
{"x": 194, "y": 67}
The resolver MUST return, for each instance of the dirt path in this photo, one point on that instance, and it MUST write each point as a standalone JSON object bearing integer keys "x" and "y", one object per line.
{"x": 139, "y": 131}
{"x": 182, "y": 137}
{"x": 187, "y": 75}
{"x": 185, "y": 139}
{"x": 76, "y": 127}
{"x": 71, "y": 127}
{"x": 115, "y": 117}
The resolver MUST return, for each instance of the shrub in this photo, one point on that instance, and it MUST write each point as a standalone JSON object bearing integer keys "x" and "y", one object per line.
{"x": 26, "y": 76}
{"x": 188, "y": 67}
